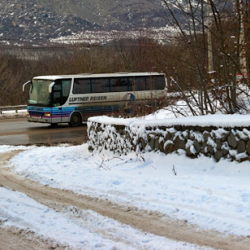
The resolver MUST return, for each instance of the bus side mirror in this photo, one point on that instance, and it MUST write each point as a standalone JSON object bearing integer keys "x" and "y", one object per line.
{"x": 26, "y": 84}
{"x": 51, "y": 86}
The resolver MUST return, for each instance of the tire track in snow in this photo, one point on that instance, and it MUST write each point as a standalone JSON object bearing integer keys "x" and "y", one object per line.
{"x": 58, "y": 199}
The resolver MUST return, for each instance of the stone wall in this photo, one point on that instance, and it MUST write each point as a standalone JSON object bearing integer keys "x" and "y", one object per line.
{"x": 228, "y": 142}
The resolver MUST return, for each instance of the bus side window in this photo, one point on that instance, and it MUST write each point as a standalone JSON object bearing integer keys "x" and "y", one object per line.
{"x": 77, "y": 88}
{"x": 130, "y": 84}
{"x": 156, "y": 83}
{"x": 65, "y": 90}
{"x": 115, "y": 85}
{"x": 96, "y": 85}
{"x": 66, "y": 87}
{"x": 57, "y": 94}
{"x": 56, "y": 99}
{"x": 81, "y": 86}
{"x": 123, "y": 84}
{"x": 159, "y": 82}
{"x": 140, "y": 83}
{"x": 150, "y": 83}
{"x": 105, "y": 85}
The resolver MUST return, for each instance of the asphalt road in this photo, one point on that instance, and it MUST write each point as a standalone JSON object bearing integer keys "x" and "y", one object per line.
{"x": 17, "y": 131}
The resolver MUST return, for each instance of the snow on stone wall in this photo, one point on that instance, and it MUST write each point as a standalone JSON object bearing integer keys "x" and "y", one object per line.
{"x": 221, "y": 141}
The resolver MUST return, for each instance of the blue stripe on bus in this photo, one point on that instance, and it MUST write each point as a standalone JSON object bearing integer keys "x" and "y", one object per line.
{"x": 67, "y": 111}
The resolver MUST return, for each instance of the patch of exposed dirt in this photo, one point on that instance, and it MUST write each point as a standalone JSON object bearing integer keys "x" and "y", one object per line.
{"x": 16, "y": 238}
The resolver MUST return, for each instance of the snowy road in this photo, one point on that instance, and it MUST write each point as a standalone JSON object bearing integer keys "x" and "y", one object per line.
{"x": 71, "y": 198}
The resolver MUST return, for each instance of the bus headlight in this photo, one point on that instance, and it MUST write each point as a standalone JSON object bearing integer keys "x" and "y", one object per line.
{"x": 46, "y": 113}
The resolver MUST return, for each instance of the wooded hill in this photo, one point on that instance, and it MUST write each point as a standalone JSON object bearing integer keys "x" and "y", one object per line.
{"x": 37, "y": 21}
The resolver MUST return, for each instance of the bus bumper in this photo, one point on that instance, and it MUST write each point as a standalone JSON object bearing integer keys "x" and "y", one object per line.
{"x": 39, "y": 119}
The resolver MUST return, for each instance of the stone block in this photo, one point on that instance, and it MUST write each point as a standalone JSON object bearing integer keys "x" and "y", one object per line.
{"x": 225, "y": 152}
{"x": 179, "y": 143}
{"x": 206, "y": 135}
{"x": 197, "y": 146}
{"x": 191, "y": 152}
{"x": 210, "y": 150}
{"x": 186, "y": 134}
{"x": 169, "y": 136}
{"x": 157, "y": 143}
{"x": 218, "y": 155}
{"x": 248, "y": 147}
{"x": 232, "y": 140}
{"x": 169, "y": 148}
{"x": 218, "y": 144}
{"x": 161, "y": 146}
{"x": 241, "y": 147}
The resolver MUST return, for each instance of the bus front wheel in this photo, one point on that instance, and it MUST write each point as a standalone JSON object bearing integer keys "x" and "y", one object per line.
{"x": 75, "y": 120}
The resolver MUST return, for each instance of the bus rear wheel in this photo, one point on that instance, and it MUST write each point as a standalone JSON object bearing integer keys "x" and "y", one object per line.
{"x": 75, "y": 120}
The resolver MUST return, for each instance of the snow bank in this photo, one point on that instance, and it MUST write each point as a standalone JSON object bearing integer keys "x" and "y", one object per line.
{"x": 216, "y": 120}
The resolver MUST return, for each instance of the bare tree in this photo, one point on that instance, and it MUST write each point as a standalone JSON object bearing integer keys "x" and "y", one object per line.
{"x": 211, "y": 31}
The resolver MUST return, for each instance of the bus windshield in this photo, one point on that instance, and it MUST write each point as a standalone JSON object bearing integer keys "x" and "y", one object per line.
{"x": 39, "y": 93}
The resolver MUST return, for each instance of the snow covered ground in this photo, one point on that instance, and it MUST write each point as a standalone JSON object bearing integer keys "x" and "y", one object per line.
{"x": 85, "y": 233}
{"x": 206, "y": 194}
{"x": 131, "y": 181}
{"x": 103, "y": 37}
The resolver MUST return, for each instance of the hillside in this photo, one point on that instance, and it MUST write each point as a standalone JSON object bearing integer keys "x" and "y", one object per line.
{"x": 23, "y": 21}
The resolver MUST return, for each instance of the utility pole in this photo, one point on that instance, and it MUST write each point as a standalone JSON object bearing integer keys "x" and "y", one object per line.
{"x": 242, "y": 43}
{"x": 209, "y": 40}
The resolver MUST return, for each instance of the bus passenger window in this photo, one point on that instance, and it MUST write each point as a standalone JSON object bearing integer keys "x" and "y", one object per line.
{"x": 130, "y": 83}
{"x": 156, "y": 83}
{"x": 123, "y": 84}
{"x": 159, "y": 82}
{"x": 66, "y": 87}
{"x": 77, "y": 89}
{"x": 115, "y": 85}
{"x": 150, "y": 83}
{"x": 105, "y": 85}
{"x": 81, "y": 86}
{"x": 140, "y": 83}
{"x": 96, "y": 86}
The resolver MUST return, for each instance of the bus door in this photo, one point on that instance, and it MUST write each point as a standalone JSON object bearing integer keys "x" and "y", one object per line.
{"x": 60, "y": 95}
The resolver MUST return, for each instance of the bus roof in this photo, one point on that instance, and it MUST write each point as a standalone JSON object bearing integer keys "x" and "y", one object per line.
{"x": 89, "y": 75}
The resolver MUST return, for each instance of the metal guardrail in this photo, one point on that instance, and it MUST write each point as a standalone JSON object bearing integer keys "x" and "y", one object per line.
{"x": 14, "y": 108}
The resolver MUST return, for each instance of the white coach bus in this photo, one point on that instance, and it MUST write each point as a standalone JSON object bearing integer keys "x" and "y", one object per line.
{"x": 73, "y": 98}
